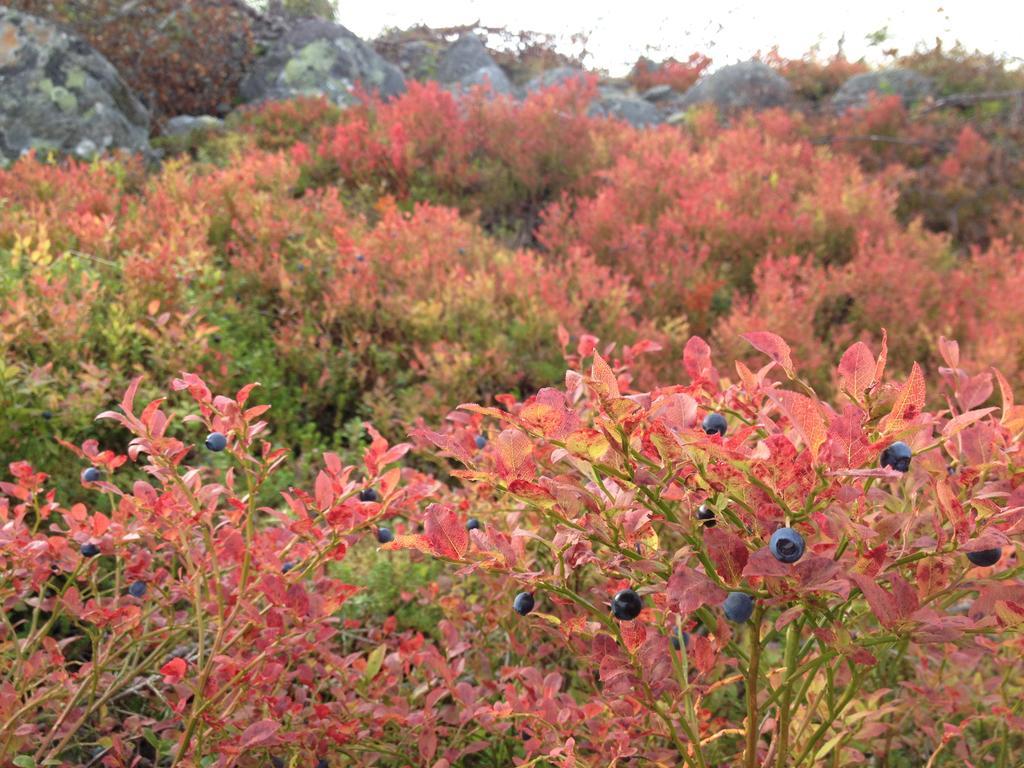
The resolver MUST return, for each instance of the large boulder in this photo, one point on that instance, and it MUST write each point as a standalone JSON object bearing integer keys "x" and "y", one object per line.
{"x": 909, "y": 85}
{"x": 320, "y": 58}
{"x": 737, "y": 87}
{"x": 553, "y": 77}
{"x": 58, "y": 93}
{"x": 467, "y": 63}
{"x": 634, "y": 110}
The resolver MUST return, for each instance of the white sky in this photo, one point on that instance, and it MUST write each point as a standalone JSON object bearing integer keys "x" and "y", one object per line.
{"x": 728, "y": 31}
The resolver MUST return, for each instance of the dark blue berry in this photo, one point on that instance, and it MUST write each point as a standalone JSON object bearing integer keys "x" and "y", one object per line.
{"x": 985, "y": 557}
{"x": 480, "y": 441}
{"x": 216, "y": 442}
{"x": 89, "y": 550}
{"x": 287, "y": 566}
{"x": 321, "y": 763}
{"x": 277, "y": 762}
{"x": 714, "y": 423}
{"x": 738, "y": 607}
{"x": 707, "y": 516}
{"x": 523, "y": 603}
{"x": 137, "y": 589}
{"x": 680, "y": 639}
{"x": 91, "y": 475}
{"x": 47, "y": 415}
{"x": 787, "y": 545}
{"x": 897, "y": 456}
{"x": 384, "y": 535}
{"x": 472, "y": 524}
{"x": 368, "y": 494}
{"x": 626, "y": 605}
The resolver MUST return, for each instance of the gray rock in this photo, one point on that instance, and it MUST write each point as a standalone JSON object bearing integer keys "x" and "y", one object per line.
{"x": 467, "y": 63}
{"x": 659, "y": 93}
{"x": 633, "y": 110}
{"x": 320, "y": 58}
{"x": 58, "y": 93}
{"x": 182, "y": 125}
{"x": 909, "y": 85}
{"x": 555, "y": 76}
{"x": 748, "y": 85}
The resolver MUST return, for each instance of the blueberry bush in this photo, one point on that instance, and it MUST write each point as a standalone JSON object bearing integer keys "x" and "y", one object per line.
{"x": 574, "y": 444}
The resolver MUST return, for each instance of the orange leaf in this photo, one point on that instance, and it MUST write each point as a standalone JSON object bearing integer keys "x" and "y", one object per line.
{"x": 805, "y": 414}
{"x": 909, "y": 402}
{"x": 603, "y": 378}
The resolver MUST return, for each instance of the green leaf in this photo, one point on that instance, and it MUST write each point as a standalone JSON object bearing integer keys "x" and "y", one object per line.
{"x": 373, "y": 664}
{"x": 829, "y": 745}
{"x": 24, "y": 761}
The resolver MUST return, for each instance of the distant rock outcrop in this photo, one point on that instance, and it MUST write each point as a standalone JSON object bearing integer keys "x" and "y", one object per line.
{"x": 634, "y": 110}
{"x": 58, "y": 93}
{"x": 555, "y": 76}
{"x": 748, "y": 85}
{"x": 315, "y": 57}
{"x": 909, "y": 85}
{"x": 467, "y": 63}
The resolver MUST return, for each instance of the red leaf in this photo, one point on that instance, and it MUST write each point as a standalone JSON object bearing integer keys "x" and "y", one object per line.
{"x": 513, "y": 450}
{"x": 848, "y": 446}
{"x": 633, "y": 634}
{"x": 881, "y": 602}
{"x": 174, "y": 670}
{"x": 447, "y": 536}
{"x": 904, "y": 596}
{"x": 763, "y": 563}
{"x": 857, "y": 370}
{"x": 883, "y": 356}
{"x": 697, "y": 360}
{"x": 688, "y": 590}
{"x": 728, "y": 552}
{"x": 259, "y": 734}
{"x": 773, "y": 346}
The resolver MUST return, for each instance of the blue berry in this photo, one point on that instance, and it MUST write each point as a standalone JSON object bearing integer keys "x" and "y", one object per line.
{"x": 523, "y": 603}
{"x": 985, "y": 557}
{"x": 738, "y": 607}
{"x": 384, "y": 535}
{"x": 480, "y": 441}
{"x": 91, "y": 475}
{"x": 680, "y": 639}
{"x": 472, "y": 524}
{"x": 287, "y": 566}
{"x": 321, "y": 763}
{"x": 216, "y": 442}
{"x": 89, "y": 550}
{"x": 714, "y": 423}
{"x": 368, "y": 494}
{"x": 626, "y": 605}
{"x": 47, "y": 415}
{"x": 707, "y": 516}
{"x": 897, "y": 456}
{"x": 137, "y": 589}
{"x": 787, "y": 545}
